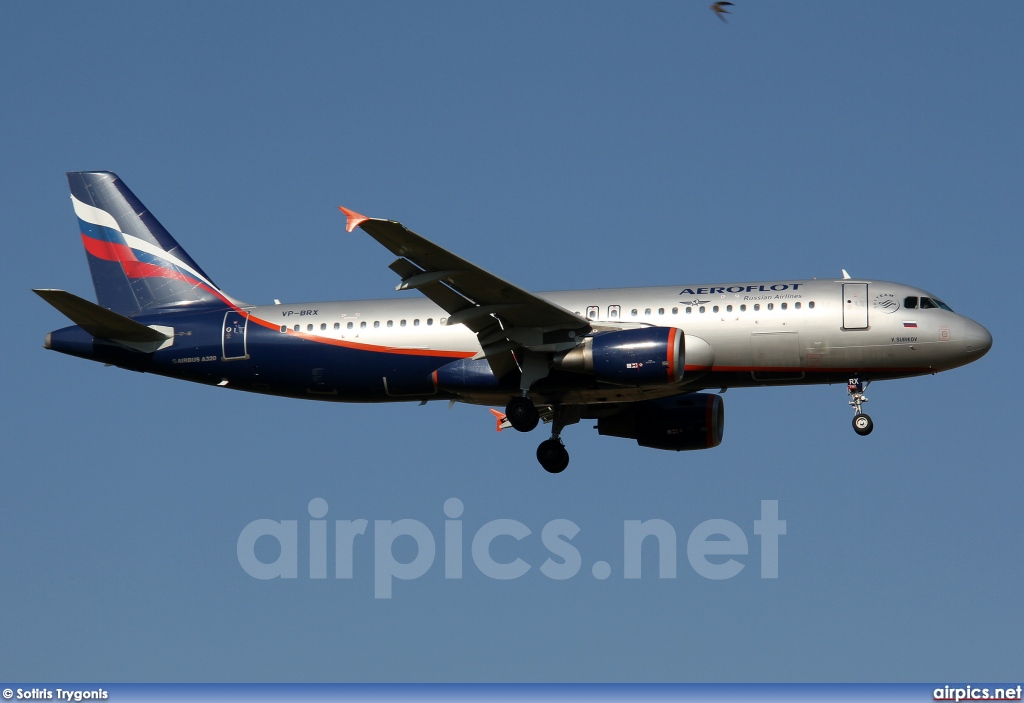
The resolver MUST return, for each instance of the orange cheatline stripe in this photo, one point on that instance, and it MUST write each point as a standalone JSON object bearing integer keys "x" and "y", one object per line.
{"x": 365, "y": 347}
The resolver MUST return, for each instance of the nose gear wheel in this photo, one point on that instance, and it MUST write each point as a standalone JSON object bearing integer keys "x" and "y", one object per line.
{"x": 862, "y": 423}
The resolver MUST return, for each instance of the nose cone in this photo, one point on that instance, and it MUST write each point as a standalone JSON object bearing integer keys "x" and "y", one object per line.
{"x": 979, "y": 341}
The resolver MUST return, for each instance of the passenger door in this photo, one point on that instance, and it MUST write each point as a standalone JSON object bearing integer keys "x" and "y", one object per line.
{"x": 855, "y": 306}
{"x": 233, "y": 344}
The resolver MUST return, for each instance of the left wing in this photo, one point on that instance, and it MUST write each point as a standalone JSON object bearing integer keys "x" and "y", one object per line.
{"x": 504, "y": 317}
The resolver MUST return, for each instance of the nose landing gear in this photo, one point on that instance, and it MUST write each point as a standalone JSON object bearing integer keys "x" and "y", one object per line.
{"x": 862, "y": 423}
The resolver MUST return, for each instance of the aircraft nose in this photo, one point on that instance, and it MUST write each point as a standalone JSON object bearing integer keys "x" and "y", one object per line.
{"x": 979, "y": 340}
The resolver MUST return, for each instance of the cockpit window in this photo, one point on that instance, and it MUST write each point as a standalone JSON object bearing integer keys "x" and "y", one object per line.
{"x": 926, "y": 303}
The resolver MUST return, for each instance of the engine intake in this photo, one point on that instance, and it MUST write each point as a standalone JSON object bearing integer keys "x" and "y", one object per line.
{"x": 648, "y": 356}
{"x": 679, "y": 423}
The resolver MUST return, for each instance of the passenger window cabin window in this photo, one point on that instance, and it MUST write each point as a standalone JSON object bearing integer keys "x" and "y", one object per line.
{"x": 298, "y": 327}
{"x": 592, "y": 312}
{"x": 702, "y": 308}
{"x": 633, "y": 312}
{"x": 391, "y": 323}
{"x": 647, "y": 311}
{"x": 362, "y": 325}
{"x": 613, "y": 311}
{"x": 910, "y": 302}
{"x": 771, "y": 306}
{"x": 416, "y": 322}
{"x": 430, "y": 321}
{"x": 443, "y": 321}
{"x": 796, "y": 305}
{"x": 376, "y": 324}
{"x": 728, "y": 308}
{"x": 785, "y": 305}
{"x": 743, "y": 308}
{"x": 349, "y": 325}
{"x": 675, "y": 311}
{"x": 323, "y": 326}
{"x": 309, "y": 328}
{"x": 284, "y": 328}
{"x": 337, "y": 325}
{"x": 757, "y": 306}
{"x": 402, "y": 323}
{"x": 661, "y": 311}
{"x": 714, "y": 309}
{"x": 811, "y": 305}
{"x": 688, "y": 310}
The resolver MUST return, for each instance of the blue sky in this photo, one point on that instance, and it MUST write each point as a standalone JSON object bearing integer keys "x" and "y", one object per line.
{"x": 560, "y": 145}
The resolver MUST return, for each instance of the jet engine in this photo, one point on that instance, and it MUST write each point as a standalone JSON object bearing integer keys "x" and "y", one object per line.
{"x": 678, "y": 423}
{"x": 648, "y": 356}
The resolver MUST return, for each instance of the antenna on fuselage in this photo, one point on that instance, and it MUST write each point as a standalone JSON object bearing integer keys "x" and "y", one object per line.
{"x": 845, "y": 274}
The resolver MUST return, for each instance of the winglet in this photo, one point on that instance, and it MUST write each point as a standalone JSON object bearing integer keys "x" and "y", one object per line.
{"x": 354, "y": 218}
{"x": 502, "y": 420}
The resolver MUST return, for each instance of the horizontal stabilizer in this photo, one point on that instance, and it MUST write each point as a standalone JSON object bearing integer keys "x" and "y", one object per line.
{"x": 98, "y": 321}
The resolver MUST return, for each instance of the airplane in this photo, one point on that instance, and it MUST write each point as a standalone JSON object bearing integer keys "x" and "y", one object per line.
{"x": 639, "y": 361}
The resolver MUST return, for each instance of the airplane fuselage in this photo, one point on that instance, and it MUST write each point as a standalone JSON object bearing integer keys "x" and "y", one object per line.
{"x": 736, "y": 335}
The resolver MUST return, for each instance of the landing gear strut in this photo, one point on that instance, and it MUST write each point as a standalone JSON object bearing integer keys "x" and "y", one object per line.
{"x": 521, "y": 412}
{"x": 551, "y": 453}
{"x": 862, "y": 423}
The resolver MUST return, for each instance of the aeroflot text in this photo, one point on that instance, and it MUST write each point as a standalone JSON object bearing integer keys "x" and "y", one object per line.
{"x": 762, "y": 288}
{"x": 710, "y": 547}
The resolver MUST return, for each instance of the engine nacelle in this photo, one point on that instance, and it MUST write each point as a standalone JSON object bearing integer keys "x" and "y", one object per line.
{"x": 679, "y": 423}
{"x": 648, "y": 356}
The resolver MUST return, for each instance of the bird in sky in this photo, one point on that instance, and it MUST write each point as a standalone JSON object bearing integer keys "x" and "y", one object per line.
{"x": 719, "y": 8}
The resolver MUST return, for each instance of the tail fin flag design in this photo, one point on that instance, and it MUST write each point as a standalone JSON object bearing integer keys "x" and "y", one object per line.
{"x": 135, "y": 263}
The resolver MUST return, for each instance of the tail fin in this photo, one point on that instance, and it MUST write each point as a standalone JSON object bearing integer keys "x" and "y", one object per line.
{"x": 136, "y": 265}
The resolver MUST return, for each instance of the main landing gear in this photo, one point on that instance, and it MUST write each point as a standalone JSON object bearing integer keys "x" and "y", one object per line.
{"x": 523, "y": 415}
{"x": 553, "y": 455}
{"x": 862, "y": 423}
